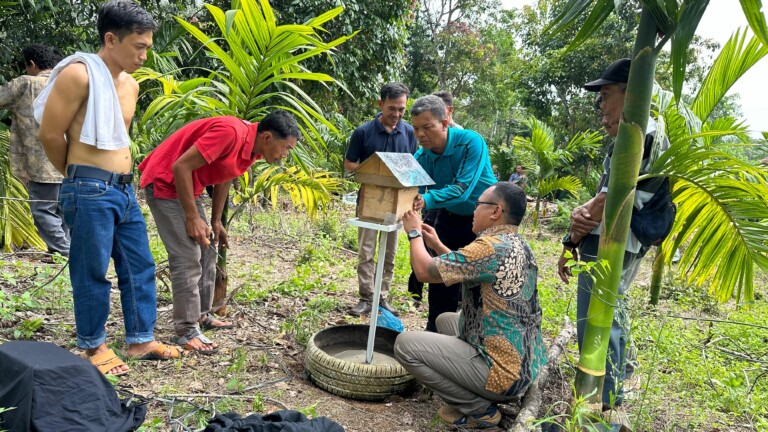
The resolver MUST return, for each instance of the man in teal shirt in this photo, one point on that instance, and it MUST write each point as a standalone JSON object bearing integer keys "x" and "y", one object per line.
{"x": 458, "y": 162}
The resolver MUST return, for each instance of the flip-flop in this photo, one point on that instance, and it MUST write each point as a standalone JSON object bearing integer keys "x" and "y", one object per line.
{"x": 207, "y": 323}
{"x": 159, "y": 352}
{"x": 194, "y": 334}
{"x": 105, "y": 361}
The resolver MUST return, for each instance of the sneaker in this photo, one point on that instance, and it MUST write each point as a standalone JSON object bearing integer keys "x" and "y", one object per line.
{"x": 490, "y": 418}
{"x": 449, "y": 414}
{"x": 361, "y": 308}
{"x": 385, "y": 304}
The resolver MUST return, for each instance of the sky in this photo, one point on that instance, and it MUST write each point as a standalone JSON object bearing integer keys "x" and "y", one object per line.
{"x": 720, "y": 20}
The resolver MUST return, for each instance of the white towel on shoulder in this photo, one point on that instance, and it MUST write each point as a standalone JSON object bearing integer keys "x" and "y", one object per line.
{"x": 103, "y": 126}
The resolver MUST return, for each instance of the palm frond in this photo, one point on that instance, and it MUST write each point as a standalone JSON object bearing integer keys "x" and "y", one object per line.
{"x": 569, "y": 184}
{"x": 734, "y": 60}
{"x": 307, "y": 190}
{"x": 16, "y": 224}
{"x": 753, "y": 10}
{"x": 690, "y": 16}
{"x": 722, "y": 208}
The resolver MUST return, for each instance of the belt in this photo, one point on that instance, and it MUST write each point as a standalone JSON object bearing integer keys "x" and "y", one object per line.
{"x": 85, "y": 171}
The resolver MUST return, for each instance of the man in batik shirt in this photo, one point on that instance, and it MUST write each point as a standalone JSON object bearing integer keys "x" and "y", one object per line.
{"x": 492, "y": 351}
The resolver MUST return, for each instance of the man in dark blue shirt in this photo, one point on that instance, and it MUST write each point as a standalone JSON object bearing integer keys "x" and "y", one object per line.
{"x": 387, "y": 132}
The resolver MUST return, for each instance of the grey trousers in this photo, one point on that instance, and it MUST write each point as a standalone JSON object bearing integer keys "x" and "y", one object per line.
{"x": 193, "y": 267}
{"x": 616, "y": 362}
{"x": 366, "y": 267}
{"x": 49, "y": 220}
{"x": 450, "y": 367}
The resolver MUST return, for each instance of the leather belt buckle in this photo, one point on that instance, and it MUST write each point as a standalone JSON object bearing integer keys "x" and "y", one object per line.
{"x": 125, "y": 178}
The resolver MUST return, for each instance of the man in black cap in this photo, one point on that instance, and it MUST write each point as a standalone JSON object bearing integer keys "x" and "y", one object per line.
{"x": 585, "y": 231}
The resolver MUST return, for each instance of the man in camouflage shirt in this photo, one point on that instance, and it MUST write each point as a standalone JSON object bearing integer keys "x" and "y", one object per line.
{"x": 28, "y": 160}
{"x": 493, "y": 350}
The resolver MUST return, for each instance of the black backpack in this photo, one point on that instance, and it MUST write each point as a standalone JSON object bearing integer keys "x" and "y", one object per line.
{"x": 652, "y": 223}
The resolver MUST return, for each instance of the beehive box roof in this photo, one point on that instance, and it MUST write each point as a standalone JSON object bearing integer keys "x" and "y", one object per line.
{"x": 399, "y": 170}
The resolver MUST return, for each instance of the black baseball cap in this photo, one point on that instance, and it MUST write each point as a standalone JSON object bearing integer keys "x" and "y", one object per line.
{"x": 616, "y": 72}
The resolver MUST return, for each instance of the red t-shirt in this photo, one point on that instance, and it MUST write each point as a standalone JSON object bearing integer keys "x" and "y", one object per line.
{"x": 226, "y": 144}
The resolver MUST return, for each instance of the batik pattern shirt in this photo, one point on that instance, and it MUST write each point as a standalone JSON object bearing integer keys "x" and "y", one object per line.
{"x": 501, "y": 315}
{"x": 28, "y": 158}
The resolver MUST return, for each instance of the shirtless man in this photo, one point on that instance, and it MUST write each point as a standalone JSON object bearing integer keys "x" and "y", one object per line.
{"x": 97, "y": 197}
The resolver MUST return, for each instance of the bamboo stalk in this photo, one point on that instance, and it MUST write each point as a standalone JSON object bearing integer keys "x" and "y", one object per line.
{"x": 625, "y": 166}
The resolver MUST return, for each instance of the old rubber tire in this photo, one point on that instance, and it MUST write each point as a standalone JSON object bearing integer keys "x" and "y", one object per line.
{"x": 356, "y": 380}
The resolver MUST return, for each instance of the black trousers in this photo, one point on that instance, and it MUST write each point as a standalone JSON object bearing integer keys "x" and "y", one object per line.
{"x": 455, "y": 231}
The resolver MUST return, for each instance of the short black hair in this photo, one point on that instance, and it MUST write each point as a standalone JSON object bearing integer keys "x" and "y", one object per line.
{"x": 394, "y": 90}
{"x": 281, "y": 124}
{"x": 43, "y": 56}
{"x": 123, "y": 17}
{"x": 513, "y": 197}
{"x": 446, "y": 96}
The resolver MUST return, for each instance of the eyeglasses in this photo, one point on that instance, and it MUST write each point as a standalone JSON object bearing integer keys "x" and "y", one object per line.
{"x": 477, "y": 204}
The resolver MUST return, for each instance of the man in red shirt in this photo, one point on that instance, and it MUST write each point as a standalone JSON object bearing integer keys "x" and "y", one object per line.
{"x": 211, "y": 151}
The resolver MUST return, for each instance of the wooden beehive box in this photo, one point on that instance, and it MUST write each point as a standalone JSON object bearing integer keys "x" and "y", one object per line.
{"x": 389, "y": 183}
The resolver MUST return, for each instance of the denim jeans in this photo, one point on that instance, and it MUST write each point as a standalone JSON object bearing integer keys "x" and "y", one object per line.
{"x": 106, "y": 222}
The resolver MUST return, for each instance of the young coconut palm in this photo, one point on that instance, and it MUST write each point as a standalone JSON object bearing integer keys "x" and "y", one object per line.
{"x": 261, "y": 68}
{"x": 16, "y": 224}
{"x": 728, "y": 221}
{"x": 548, "y": 158}
{"x": 676, "y": 20}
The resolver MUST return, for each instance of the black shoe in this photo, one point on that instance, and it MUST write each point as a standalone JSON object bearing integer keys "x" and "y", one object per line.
{"x": 385, "y": 304}
{"x": 361, "y": 308}
{"x": 490, "y": 418}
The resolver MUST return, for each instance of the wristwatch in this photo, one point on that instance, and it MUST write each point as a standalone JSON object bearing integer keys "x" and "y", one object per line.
{"x": 567, "y": 241}
{"x": 412, "y": 234}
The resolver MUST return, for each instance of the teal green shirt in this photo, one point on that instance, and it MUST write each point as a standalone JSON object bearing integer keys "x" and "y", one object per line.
{"x": 461, "y": 173}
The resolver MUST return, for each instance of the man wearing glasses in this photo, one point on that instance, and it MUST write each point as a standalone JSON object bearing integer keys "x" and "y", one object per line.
{"x": 458, "y": 162}
{"x": 493, "y": 350}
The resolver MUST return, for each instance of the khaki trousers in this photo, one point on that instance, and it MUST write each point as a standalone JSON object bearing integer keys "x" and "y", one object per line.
{"x": 450, "y": 367}
{"x": 193, "y": 267}
{"x": 366, "y": 268}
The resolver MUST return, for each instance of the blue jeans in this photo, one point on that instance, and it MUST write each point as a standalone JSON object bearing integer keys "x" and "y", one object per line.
{"x": 106, "y": 222}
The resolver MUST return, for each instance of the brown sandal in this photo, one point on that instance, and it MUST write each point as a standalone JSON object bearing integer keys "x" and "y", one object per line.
{"x": 206, "y": 323}
{"x": 159, "y": 352}
{"x": 106, "y": 361}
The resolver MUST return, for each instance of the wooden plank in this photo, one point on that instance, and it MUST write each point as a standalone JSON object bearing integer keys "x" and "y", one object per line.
{"x": 377, "y": 179}
{"x": 382, "y": 204}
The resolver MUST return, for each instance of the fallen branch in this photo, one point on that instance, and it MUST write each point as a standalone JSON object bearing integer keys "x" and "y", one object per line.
{"x": 532, "y": 400}
{"x": 219, "y": 305}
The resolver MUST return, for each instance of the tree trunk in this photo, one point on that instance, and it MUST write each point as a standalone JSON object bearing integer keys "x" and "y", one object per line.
{"x": 220, "y": 291}
{"x": 625, "y": 166}
{"x": 658, "y": 275}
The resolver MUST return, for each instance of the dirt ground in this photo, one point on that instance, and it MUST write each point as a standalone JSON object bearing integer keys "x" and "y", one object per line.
{"x": 258, "y": 367}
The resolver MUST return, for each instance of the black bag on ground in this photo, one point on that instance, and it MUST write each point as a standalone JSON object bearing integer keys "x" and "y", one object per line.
{"x": 51, "y": 389}
{"x": 278, "y": 421}
{"x": 652, "y": 223}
